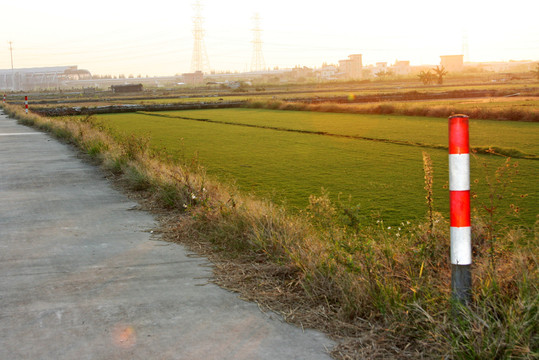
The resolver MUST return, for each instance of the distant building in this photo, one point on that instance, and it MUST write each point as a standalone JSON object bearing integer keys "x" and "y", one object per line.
{"x": 351, "y": 68}
{"x": 401, "y": 68}
{"x": 327, "y": 72}
{"x": 370, "y": 71}
{"x": 40, "y": 78}
{"x": 195, "y": 78}
{"x": 452, "y": 62}
{"x": 510, "y": 66}
{"x": 128, "y": 88}
{"x": 301, "y": 73}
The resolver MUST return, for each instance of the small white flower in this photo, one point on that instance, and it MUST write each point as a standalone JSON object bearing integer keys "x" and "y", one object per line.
{"x": 389, "y": 227}
{"x": 203, "y": 189}
{"x": 193, "y": 196}
{"x": 407, "y": 223}
{"x": 399, "y": 229}
{"x": 185, "y": 206}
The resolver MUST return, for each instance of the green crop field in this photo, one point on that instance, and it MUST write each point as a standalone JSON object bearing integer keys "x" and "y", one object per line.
{"x": 287, "y": 156}
{"x": 428, "y": 131}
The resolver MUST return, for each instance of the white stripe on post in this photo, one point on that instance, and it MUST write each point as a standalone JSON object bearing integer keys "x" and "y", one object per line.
{"x": 461, "y": 243}
{"x": 459, "y": 172}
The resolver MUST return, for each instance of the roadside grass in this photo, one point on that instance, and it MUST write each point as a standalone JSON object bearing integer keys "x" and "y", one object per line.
{"x": 383, "y": 292}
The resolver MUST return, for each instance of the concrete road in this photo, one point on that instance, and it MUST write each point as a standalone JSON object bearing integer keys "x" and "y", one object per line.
{"x": 82, "y": 277}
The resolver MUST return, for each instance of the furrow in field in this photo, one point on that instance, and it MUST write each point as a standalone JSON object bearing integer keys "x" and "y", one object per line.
{"x": 483, "y": 150}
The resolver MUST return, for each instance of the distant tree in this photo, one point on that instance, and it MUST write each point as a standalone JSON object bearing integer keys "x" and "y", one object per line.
{"x": 536, "y": 71}
{"x": 382, "y": 74}
{"x": 439, "y": 73}
{"x": 426, "y": 77}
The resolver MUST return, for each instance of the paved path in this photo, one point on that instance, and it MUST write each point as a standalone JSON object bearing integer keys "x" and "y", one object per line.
{"x": 81, "y": 277}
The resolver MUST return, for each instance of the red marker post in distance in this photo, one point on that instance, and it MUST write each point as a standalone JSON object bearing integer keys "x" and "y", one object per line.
{"x": 26, "y": 104}
{"x": 459, "y": 207}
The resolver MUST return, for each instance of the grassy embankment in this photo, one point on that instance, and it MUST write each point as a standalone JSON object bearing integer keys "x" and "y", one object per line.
{"x": 385, "y": 292}
{"x": 493, "y": 109}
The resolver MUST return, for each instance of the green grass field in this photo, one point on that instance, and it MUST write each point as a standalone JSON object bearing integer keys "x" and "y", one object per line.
{"x": 428, "y": 131}
{"x": 383, "y": 178}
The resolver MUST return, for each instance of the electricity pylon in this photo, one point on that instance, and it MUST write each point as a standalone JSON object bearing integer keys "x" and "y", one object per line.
{"x": 200, "y": 61}
{"x": 257, "y": 61}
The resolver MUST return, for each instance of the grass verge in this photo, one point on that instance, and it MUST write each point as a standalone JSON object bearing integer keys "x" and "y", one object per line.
{"x": 382, "y": 291}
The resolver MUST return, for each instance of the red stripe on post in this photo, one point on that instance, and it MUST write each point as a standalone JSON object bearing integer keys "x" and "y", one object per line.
{"x": 459, "y": 142}
{"x": 459, "y": 207}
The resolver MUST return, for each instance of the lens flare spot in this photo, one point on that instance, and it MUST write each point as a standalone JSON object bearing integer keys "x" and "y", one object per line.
{"x": 124, "y": 336}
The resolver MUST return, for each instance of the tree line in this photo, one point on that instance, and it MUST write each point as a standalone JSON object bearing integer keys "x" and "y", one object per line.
{"x": 437, "y": 76}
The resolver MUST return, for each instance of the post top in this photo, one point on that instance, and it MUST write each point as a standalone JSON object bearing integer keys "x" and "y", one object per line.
{"x": 458, "y": 116}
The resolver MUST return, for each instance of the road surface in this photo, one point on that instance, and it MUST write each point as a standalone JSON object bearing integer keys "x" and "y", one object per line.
{"x": 83, "y": 277}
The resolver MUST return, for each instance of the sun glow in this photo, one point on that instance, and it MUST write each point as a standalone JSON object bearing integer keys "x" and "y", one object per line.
{"x": 112, "y": 38}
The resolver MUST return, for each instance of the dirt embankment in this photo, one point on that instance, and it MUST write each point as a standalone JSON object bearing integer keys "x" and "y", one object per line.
{"x": 109, "y": 109}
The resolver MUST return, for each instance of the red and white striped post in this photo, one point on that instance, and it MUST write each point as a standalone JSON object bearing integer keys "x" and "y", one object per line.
{"x": 26, "y": 104}
{"x": 459, "y": 207}
{"x": 4, "y": 100}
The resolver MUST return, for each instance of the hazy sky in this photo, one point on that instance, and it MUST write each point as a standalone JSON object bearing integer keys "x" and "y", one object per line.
{"x": 156, "y": 37}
